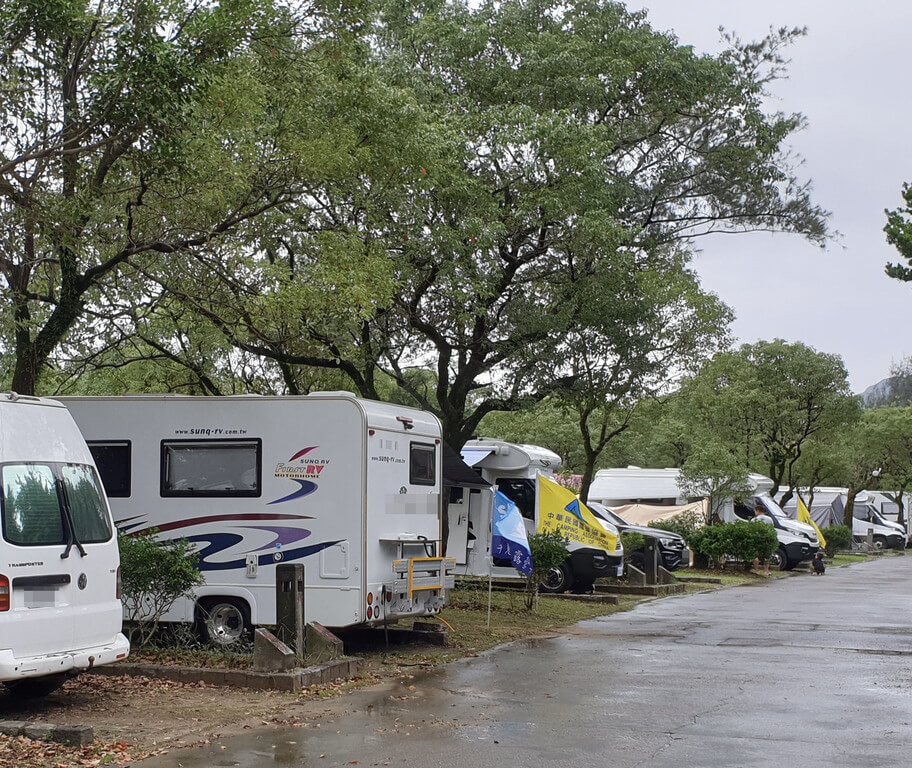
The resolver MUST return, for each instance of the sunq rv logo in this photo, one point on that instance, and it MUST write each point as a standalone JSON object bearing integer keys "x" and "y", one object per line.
{"x": 303, "y": 469}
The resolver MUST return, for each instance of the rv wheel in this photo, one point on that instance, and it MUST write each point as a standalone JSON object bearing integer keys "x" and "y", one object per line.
{"x": 880, "y": 544}
{"x": 35, "y": 687}
{"x": 558, "y": 579}
{"x": 224, "y": 621}
{"x": 779, "y": 560}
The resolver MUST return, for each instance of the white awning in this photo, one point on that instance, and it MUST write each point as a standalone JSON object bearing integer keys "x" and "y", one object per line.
{"x": 473, "y": 456}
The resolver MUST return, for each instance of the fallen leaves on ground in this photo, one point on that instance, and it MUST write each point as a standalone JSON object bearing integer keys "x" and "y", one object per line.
{"x": 19, "y": 751}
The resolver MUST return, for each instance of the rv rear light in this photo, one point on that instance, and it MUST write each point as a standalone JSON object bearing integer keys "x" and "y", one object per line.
{"x": 370, "y": 598}
{"x": 406, "y": 422}
{"x": 4, "y": 593}
{"x": 118, "y": 590}
{"x": 121, "y": 656}
{"x": 370, "y": 613}
{"x": 389, "y": 597}
{"x": 371, "y": 432}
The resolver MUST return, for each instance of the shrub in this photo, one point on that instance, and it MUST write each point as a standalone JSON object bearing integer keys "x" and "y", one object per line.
{"x": 837, "y": 537}
{"x": 743, "y": 541}
{"x": 153, "y": 576}
{"x": 632, "y": 542}
{"x": 549, "y": 550}
{"x": 686, "y": 524}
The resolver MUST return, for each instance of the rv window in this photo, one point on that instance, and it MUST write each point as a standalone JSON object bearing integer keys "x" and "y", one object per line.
{"x": 113, "y": 462}
{"x": 422, "y": 464}
{"x": 211, "y": 468}
{"x": 31, "y": 506}
{"x": 87, "y": 508}
{"x": 521, "y": 491}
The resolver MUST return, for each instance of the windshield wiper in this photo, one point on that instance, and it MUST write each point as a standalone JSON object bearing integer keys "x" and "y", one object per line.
{"x": 71, "y": 535}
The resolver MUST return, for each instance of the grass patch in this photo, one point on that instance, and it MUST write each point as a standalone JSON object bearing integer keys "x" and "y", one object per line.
{"x": 847, "y": 559}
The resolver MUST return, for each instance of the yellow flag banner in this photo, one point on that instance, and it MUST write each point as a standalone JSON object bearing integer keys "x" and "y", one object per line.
{"x": 804, "y": 516}
{"x": 559, "y": 511}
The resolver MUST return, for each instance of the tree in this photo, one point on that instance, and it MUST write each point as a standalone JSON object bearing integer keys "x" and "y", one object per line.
{"x": 767, "y": 399}
{"x": 549, "y": 150}
{"x": 134, "y": 133}
{"x": 714, "y": 472}
{"x": 899, "y": 234}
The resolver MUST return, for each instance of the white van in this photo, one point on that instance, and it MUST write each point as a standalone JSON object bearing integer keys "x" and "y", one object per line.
{"x": 348, "y": 487}
{"x": 60, "y": 609}
{"x": 798, "y": 542}
{"x": 512, "y": 469}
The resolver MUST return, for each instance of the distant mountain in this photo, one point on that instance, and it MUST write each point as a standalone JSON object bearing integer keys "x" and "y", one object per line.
{"x": 878, "y": 394}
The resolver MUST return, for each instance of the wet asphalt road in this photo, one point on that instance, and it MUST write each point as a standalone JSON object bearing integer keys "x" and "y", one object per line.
{"x": 803, "y": 671}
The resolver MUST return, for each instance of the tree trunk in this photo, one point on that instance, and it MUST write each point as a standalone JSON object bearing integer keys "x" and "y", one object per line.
{"x": 850, "y": 506}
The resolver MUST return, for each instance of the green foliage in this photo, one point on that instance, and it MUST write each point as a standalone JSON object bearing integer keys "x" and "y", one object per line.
{"x": 549, "y": 550}
{"x": 686, "y": 524}
{"x": 715, "y": 472}
{"x": 742, "y": 541}
{"x": 765, "y": 401}
{"x": 153, "y": 576}
{"x": 899, "y": 235}
{"x": 632, "y": 541}
{"x": 838, "y": 537}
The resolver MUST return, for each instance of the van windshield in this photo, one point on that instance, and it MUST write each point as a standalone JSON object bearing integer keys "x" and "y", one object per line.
{"x": 33, "y": 502}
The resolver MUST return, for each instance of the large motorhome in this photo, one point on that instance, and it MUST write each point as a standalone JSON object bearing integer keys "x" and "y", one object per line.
{"x": 60, "y": 610}
{"x": 798, "y": 542}
{"x": 512, "y": 469}
{"x": 828, "y": 508}
{"x": 350, "y": 488}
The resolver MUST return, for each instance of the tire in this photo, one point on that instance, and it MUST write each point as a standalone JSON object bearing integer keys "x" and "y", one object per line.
{"x": 558, "y": 580}
{"x": 880, "y": 544}
{"x": 35, "y": 687}
{"x": 779, "y": 560}
{"x": 224, "y": 621}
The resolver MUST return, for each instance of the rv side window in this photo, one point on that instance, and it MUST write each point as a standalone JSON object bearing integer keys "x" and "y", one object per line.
{"x": 113, "y": 461}
{"x": 521, "y": 492}
{"x": 211, "y": 468}
{"x": 31, "y": 505}
{"x": 422, "y": 464}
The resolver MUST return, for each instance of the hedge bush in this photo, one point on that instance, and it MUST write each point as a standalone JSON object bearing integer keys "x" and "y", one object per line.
{"x": 837, "y": 537}
{"x": 632, "y": 542}
{"x": 741, "y": 541}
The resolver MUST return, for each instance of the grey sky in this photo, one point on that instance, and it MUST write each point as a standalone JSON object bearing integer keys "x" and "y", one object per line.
{"x": 850, "y": 78}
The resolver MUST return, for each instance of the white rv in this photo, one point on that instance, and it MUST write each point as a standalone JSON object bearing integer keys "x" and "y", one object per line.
{"x": 828, "y": 508}
{"x": 798, "y": 542}
{"x": 346, "y": 486}
{"x": 511, "y": 469}
{"x": 60, "y": 610}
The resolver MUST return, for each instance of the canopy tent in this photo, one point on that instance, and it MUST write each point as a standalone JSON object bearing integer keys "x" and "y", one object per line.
{"x": 643, "y": 514}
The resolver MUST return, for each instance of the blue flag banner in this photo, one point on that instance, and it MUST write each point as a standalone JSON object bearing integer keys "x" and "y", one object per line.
{"x": 509, "y": 539}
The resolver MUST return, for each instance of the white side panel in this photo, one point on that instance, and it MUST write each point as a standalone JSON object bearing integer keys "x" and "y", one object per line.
{"x": 310, "y": 496}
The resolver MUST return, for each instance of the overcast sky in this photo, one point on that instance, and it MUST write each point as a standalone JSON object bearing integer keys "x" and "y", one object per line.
{"x": 850, "y": 77}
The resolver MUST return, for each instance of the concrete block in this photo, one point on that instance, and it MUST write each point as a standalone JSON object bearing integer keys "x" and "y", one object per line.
{"x": 12, "y": 727}
{"x": 635, "y": 577}
{"x": 665, "y": 576}
{"x": 39, "y": 731}
{"x": 74, "y": 735}
{"x": 270, "y": 654}
{"x": 321, "y": 644}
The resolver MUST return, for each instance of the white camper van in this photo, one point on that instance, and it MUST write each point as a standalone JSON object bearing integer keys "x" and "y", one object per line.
{"x": 346, "y": 486}
{"x": 511, "y": 469}
{"x": 60, "y": 610}
{"x": 828, "y": 508}
{"x": 798, "y": 542}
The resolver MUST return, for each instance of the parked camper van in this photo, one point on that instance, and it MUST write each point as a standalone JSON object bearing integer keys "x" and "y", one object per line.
{"x": 828, "y": 508}
{"x": 348, "y": 487}
{"x": 511, "y": 469}
{"x": 60, "y": 610}
{"x": 659, "y": 487}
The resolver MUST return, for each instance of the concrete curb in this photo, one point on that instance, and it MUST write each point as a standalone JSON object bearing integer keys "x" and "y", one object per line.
{"x": 295, "y": 680}
{"x": 71, "y": 735}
